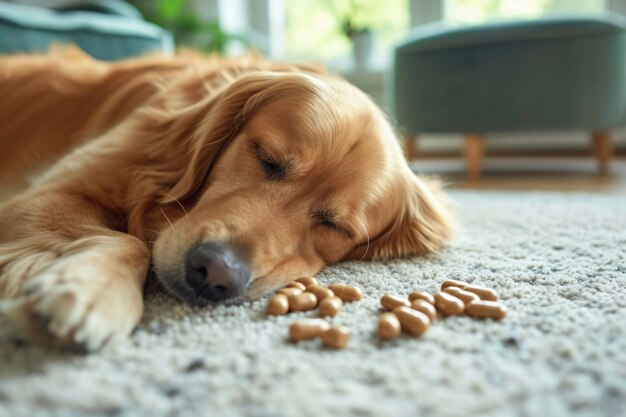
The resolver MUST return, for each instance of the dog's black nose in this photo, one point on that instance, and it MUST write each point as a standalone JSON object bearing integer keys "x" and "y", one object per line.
{"x": 215, "y": 272}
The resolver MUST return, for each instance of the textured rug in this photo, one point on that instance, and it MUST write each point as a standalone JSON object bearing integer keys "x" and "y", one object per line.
{"x": 558, "y": 261}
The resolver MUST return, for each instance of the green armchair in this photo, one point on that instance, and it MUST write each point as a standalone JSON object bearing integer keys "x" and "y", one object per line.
{"x": 561, "y": 72}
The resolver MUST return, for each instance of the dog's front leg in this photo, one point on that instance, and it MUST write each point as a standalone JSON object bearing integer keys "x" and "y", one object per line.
{"x": 65, "y": 276}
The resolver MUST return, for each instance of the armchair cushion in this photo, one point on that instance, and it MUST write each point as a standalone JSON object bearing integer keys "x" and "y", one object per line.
{"x": 105, "y": 36}
{"x": 562, "y": 72}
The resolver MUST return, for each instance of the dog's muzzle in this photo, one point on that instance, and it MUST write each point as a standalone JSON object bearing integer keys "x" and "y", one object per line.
{"x": 215, "y": 272}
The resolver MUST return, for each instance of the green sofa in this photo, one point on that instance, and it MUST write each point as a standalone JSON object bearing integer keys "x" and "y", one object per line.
{"x": 105, "y": 29}
{"x": 554, "y": 73}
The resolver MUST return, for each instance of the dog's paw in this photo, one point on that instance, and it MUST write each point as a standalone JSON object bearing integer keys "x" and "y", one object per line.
{"x": 77, "y": 302}
{"x": 14, "y": 273}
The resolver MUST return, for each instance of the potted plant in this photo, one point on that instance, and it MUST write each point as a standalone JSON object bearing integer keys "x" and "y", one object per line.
{"x": 188, "y": 28}
{"x": 360, "y": 35}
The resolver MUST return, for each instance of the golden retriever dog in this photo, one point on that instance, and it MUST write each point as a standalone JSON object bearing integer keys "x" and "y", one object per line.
{"x": 226, "y": 177}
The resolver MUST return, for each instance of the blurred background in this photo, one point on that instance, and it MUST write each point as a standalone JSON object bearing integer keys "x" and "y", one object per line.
{"x": 424, "y": 61}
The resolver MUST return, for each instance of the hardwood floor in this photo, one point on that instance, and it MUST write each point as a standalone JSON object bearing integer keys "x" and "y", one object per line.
{"x": 549, "y": 173}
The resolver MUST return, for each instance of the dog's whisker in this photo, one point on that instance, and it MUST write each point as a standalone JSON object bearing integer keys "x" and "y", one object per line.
{"x": 180, "y": 204}
{"x": 366, "y": 233}
{"x": 166, "y": 218}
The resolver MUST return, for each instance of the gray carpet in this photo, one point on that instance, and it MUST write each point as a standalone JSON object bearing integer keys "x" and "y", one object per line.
{"x": 558, "y": 261}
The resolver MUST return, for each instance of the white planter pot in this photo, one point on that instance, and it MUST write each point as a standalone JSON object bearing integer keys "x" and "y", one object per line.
{"x": 362, "y": 44}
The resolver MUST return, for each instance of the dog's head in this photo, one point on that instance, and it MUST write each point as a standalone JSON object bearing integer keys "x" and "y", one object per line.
{"x": 284, "y": 173}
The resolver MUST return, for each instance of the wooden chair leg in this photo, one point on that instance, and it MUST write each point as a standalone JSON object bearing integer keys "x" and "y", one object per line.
{"x": 474, "y": 152}
{"x": 603, "y": 150}
{"x": 409, "y": 147}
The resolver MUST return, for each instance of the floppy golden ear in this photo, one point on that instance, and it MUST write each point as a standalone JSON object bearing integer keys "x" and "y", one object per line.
{"x": 424, "y": 223}
{"x": 182, "y": 131}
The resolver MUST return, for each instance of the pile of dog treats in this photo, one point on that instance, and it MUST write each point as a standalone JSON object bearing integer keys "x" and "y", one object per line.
{"x": 306, "y": 294}
{"x": 413, "y": 314}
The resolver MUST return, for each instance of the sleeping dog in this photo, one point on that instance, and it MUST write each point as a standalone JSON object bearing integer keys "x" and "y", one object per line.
{"x": 227, "y": 177}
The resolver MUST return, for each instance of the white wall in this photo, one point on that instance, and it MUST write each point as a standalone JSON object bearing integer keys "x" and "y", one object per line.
{"x": 618, "y": 6}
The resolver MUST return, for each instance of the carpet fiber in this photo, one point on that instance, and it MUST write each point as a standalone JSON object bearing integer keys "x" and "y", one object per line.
{"x": 558, "y": 261}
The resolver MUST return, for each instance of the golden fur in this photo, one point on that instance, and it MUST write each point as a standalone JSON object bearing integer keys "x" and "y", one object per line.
{"x": 138, "y": 160}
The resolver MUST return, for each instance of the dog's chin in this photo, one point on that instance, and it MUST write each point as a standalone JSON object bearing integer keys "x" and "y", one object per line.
{"x": 258, "y": 288}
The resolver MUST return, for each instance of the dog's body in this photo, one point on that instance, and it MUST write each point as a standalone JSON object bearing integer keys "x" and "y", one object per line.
{"x": 232, "y": 176}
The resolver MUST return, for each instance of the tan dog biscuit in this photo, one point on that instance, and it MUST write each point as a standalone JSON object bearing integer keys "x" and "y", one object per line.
{"x": 422, "y": 296}
{"x": 449, "y": 304}
{"x": 412, "y": 321}
{"x": 425, "y": 307}
{"x": 306, "y": 281}
{"x": 389, "y": 302}
{"x": 278, "y": 305}
{"x": 453, "y": 283}
{"x": 320, "y": 292}
{"x": 307, "y": 329}
{"x": 330, "y": 306}
{"x": 295, "y": 284}
{"x": 302, "y": 302}
{"x": 462, "y": 295}
{"x": 486, "y": 309}
{"x": 388, "y": 326}
{"x": 347, "y": 293}
{"x": 336, "y": 337}
{"x": 483, "y": 292}
{"x": 290, "y": 292}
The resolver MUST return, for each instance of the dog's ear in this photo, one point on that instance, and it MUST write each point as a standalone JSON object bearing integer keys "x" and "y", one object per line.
{"x": 423, "y": 223}
{"x": 224, "y": 116}
{"x": 182, "y": 131}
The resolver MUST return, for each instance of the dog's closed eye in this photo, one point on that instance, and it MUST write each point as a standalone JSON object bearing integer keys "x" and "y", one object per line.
{"x": 325, "y": 219}
{"x": 274, "y": 169}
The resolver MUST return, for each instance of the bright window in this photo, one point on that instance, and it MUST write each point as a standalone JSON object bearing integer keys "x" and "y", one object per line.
{"x": 476, "y": 11}
{"x": 314, "y": 27}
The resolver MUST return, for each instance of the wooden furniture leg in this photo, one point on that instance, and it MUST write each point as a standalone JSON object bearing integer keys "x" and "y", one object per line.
{"x": 409, "y": 147}
{"x": 603, "y": 150}
{"x": 474, "y": 152}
